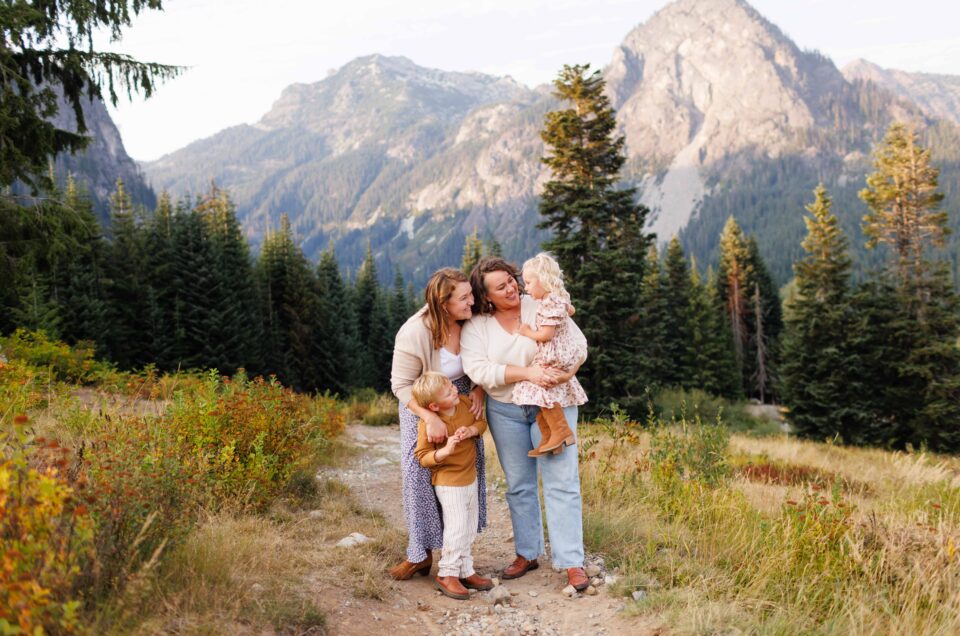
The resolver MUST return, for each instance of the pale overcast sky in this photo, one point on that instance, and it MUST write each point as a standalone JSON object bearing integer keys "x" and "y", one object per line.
{"x": 242, "y": 53}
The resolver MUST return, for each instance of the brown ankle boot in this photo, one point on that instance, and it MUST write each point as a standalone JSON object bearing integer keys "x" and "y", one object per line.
{"x": 406, "y": 570}
{"x": 452, "y": 587}
{"x": 560, "y": 433}
{"x": 544, "y": 434}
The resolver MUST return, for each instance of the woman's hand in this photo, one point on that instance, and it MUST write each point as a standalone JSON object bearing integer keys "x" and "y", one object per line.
{"x": 436, "y": 429}
{"x": 476, "y": 402}
{"x": 539, "y": 376}
{"x": 556, "y": 376}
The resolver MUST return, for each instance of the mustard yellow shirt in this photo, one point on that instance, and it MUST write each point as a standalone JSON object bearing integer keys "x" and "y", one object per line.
{"x": 460, "y": 467}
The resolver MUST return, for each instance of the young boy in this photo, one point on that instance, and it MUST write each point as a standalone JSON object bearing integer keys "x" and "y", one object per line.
{"x": 454, "y": 478}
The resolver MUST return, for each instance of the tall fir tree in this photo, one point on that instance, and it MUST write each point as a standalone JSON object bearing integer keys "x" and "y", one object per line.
{"x": 679, "y": 328}
{"x": 715, "y": 366}
{"x": 732, "y": 283}
{"x": 83, "y": 304}
{"x": 289, "y": 310}
{"x": 125, "y": 284}
{"x": 237, "y": 327}
{"x": 336, "y": 328}
{"x": 818, "y": 376}
{"x": 765, "y": 317}
{"x": 161, "y": 283}
{"x": 597, "y": 232}
{"x": 373, "y": 326}
{"x": 472, "y": 253}
{"x": 903, "y": 199}
{"x": 655, "y": 367}
{"x": 914, "y": 308}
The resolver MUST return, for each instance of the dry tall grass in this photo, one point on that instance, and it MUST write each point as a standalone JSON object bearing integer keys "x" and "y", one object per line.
{"x": 772, "y": 549}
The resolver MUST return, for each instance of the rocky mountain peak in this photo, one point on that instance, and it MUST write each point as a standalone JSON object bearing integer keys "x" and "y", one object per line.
{"x": 703, "y": 81}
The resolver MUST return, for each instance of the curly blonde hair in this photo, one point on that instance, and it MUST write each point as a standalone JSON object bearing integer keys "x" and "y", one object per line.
{"x": 548, "y": 272}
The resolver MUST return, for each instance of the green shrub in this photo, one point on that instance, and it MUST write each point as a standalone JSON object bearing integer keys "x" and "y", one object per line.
{"x": 65, "y": 363}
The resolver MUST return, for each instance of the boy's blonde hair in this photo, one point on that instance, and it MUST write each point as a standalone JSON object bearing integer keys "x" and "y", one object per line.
{"x": 427, "y": 388}
{"x": 548, "y": 271}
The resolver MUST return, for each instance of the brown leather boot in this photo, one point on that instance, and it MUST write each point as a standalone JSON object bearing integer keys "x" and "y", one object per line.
{"x": 452, "y": 587}
{"x": 406, "y": 570}
{"x": 578, "y": 579}
{"x": 477, "y": 582}
{"x": 560, "y": 433}
{"x": 544, "y": 433}
{"x": 519, "y": 567}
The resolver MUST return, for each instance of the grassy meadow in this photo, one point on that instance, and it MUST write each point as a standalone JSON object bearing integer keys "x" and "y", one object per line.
{"x": 147, "y": 503}
{"x": 762, "y": 533}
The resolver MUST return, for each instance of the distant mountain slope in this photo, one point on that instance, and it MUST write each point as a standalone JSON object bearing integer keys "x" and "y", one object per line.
{"x": 104, "y": 160}
{"x": 937, "y": 95}
{"x": 722, "y": 113}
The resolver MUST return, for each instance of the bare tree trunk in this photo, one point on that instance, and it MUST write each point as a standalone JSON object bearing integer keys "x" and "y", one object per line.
{"x": 760, "y": 376}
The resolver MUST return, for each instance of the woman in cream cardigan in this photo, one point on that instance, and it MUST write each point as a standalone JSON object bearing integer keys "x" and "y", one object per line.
{"x": 496, "y": 357}
{"x": 430, "y": 341}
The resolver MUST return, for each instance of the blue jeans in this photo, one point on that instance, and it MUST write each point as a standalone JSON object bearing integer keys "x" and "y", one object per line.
{"x": 515, "y": 432}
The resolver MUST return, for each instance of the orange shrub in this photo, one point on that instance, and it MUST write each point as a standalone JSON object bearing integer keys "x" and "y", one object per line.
{"x": 47, "y": 538}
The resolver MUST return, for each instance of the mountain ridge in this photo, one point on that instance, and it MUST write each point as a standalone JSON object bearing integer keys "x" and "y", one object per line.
{"x": 409, "y": 160}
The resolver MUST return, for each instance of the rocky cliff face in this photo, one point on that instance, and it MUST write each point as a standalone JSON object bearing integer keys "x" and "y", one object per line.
{"x": 937, "y": 95}
{"x": 104, "y": 160}
{"x": 703, "y": 81}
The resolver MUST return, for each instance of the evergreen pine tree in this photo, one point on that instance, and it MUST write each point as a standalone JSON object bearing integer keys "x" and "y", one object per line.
{"x": 679, "y": 326}
{"x": 472, "y": 253}
{"x": 655, "y": 367}
{"x": 715, "y": 365}
{"x": 597, "y": 233}
{"x": 83, "y": 306}
{"x": 237, "y": 327}
{"x": 161, "y": 285}
{"x": 336, "y": 328}
{"x": 732, "y": 282}
{"x": 766, "y": 316}
{"x": 290, "y": 308}
{"x": 125, "y": 284}
{"x": 818, "y": 382}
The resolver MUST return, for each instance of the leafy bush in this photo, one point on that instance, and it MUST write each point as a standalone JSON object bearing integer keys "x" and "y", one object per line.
{"x": 673, "y": 403}
{"x": 65, "y": 363}
{"x": 689, "y": 450}
{"x": 133, "y": 485}
{"x": 47, "y": 535}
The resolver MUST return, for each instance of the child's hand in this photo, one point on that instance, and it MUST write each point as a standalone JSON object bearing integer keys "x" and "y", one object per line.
{"x": 452, "y": 441}
{"x": 465, "y": 432}
{"x": 526, "y": 330}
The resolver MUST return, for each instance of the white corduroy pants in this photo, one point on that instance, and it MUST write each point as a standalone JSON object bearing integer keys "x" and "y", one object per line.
{"x": 460, "y": 513}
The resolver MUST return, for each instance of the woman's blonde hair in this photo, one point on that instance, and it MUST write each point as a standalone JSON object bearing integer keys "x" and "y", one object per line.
{"x": 548, "y": 272}
{"x": 439, "y": 289}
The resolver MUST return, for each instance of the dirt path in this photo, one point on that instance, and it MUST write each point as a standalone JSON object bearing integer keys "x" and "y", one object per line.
{"x": 537, "y": 604}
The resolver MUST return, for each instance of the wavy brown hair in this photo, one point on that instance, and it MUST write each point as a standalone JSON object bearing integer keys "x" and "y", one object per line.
{"x": 487, "y": 264}
{"x": 439, "y": 289}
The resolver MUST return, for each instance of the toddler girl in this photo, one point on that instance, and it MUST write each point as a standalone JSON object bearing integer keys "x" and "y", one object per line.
{"x": 558, "y": 347}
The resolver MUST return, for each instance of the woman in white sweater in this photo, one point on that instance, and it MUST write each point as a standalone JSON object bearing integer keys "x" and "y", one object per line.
{"x": 496, "y": 357}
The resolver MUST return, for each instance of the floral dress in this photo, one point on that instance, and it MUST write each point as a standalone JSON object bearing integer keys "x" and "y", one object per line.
{"x": 563, "y": 351}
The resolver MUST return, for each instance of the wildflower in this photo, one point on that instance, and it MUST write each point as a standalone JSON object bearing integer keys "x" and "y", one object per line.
{"x": 935, "y": 505}
{"x": 20, "y": 418}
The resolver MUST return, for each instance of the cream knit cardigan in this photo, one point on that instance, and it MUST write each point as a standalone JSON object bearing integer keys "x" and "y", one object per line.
{"x": 413, "y": 355}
